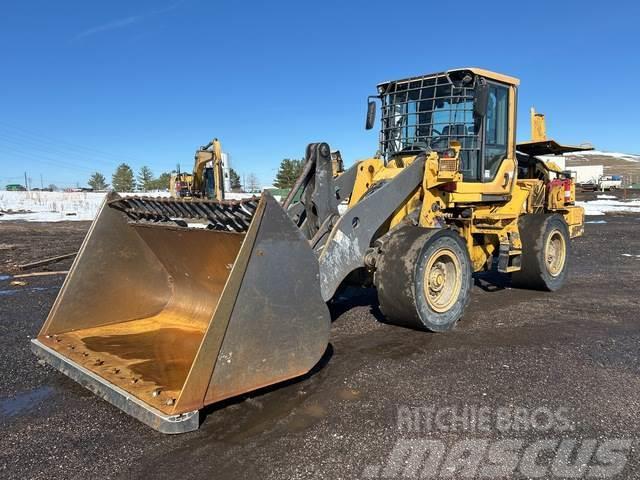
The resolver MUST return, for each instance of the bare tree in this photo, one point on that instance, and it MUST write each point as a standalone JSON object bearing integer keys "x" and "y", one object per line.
{"x": 252, "y": 184}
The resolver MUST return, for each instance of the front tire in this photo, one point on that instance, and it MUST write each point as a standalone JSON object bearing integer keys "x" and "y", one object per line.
{"x": 546, "y": 248}
{"x": 424, "y": 278}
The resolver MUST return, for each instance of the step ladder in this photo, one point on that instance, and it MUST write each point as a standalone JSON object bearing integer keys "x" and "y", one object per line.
{"x": 509, "y": 259}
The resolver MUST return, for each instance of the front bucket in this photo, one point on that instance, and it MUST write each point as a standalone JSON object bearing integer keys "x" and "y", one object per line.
{"x": 172, "y": 305}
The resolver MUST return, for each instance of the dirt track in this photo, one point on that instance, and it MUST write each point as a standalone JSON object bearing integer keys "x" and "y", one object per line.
{"x": 575, "y": 349}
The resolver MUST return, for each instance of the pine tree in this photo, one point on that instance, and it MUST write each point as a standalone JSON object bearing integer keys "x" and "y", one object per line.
{"x": 160, "y": 183}
{"x": 122, "y": 180}
{"x": 288, "y": 173}
{"x": 97, "y": 181}
{"x": 234, "y": 180}
{"x": 145, "y": 178}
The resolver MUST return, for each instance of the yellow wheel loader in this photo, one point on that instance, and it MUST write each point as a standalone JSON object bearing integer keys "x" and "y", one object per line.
{"x": 175, "y": 304}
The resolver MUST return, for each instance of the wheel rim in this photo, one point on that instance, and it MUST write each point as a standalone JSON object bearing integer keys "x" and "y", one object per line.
{"x": 442, "y": 280}
{"x": 555, "y": 253}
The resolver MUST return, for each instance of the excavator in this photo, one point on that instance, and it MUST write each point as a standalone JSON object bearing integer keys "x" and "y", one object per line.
{"x": 206, "y": 180}
{"x": 174, "y": 304}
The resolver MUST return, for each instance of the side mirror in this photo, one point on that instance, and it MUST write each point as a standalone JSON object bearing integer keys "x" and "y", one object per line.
{"x": 371, "y": 115}
{"x": 481, "y": 98}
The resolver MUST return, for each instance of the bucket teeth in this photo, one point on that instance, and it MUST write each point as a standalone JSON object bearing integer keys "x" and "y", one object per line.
{"x": 229, "y": 215}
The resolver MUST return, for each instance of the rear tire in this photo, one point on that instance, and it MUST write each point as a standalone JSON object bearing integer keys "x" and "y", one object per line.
{"x": 546, "y": 248}
{"x": 424, "y": 278}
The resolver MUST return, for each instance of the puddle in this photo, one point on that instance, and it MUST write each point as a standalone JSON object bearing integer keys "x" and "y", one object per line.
{"x": 23, "y": 290}
{"x": 12, "y": 406}
{"x": 4, "y": 277}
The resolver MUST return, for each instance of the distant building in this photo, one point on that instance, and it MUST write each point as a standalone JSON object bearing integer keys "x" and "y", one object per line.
{"x": 226, "y": 167}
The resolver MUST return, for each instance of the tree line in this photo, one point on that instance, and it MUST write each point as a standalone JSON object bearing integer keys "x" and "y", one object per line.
{"x": 124, "y": 180}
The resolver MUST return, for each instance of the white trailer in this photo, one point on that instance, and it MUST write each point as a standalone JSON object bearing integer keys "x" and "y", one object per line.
{"x": 586, "y": 173}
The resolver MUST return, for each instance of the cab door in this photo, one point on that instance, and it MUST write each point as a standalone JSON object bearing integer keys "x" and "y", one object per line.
{"x": 497, "y": 136}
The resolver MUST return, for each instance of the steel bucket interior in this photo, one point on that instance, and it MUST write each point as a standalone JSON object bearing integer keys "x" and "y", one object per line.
{"x": 182, "y": 317}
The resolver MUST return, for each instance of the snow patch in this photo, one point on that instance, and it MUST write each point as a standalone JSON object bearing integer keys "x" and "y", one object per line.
{"x": 623, "y": 156}
{"x": 65, "y": 206}
{"x": 596, "y": 221}
{"x": 601, "y": 207}
{"x": 607, "y": 196}
{"x": 50, "y": 206}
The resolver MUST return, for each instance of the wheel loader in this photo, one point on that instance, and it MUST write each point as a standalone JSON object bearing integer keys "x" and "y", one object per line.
{"x": 176, "y": 304}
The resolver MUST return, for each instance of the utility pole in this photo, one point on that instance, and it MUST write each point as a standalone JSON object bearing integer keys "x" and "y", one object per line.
{"x": 26, "y": 184}
{"x": 41, "y": 183}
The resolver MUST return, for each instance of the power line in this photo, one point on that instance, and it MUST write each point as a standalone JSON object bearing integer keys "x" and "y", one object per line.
{"x": 67, "y": 145}
{"x": 36, "y": 145}
{"x": 45, "y": 150}
{"x": 44, "y": 159}
{"x": 32, "y": 146}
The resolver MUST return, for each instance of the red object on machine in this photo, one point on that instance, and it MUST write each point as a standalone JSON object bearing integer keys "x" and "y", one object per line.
{"x": 565, "y": 184}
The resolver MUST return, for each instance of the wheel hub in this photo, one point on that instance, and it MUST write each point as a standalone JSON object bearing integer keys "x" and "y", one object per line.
{"x": 555, "y": 253}
{"x": 437, "y": 278}
{"x": 443, "y": 280}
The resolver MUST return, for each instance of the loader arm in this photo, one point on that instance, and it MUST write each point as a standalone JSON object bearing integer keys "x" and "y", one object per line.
{"x": 318, "y": 201}
{"x": 349, "y": 240}
{"x": 321, "y": 194}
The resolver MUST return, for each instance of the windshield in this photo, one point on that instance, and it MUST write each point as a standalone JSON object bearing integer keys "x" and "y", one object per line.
{"x": 429, "y": 112}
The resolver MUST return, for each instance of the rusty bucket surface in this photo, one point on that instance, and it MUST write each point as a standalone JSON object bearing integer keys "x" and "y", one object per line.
{"x": 172, "y": 305}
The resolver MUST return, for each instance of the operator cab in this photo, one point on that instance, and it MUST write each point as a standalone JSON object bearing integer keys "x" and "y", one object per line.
{"x": 471, "y": 106}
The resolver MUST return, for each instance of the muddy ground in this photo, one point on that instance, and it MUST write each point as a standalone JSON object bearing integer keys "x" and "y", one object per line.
{"x": 576, "y": 349}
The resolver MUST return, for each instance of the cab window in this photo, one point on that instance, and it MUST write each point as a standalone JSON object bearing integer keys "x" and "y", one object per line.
{"x": 496, "y": 129}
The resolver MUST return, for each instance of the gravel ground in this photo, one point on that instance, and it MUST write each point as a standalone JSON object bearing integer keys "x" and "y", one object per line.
{"x": 574, "y": 351}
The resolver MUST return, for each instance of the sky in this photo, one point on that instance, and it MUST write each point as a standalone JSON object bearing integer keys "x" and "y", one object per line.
{"x": 85, "y": 86}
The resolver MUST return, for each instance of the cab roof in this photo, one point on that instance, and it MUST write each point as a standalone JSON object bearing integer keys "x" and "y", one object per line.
{"x": 499, "y": 77}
